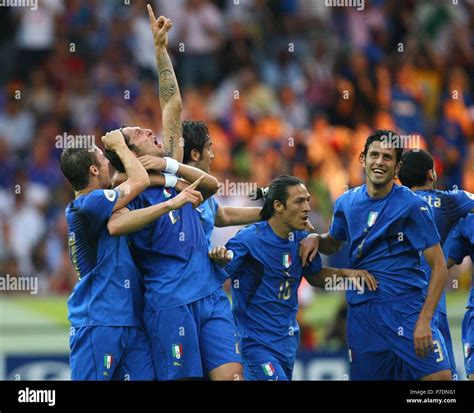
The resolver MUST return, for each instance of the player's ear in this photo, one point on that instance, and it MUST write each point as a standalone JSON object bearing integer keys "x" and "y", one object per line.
{"x": 94, "y": 170}
{"x": 431, "y": 175}
{"x": 195, "y": 155}
{"x": 278, "y": 206}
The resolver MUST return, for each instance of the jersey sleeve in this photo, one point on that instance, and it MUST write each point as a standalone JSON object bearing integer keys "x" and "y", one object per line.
{"x": 421, "y": 230}
{"x": 100, "y": 204}
{"x": 462, "y": 205}
{"x": 459, "y": 245}
{"x": 338, "y": 228}
{"x": 314, "y": 267}
{"x": 239, "y": 247}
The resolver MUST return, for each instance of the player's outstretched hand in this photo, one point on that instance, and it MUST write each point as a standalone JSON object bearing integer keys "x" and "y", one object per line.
{"x": 423, "y": 337}
{"x": 221, "y": 255}
{"x": 152, "y": 163}
{"x": 159, "y": 27}
{"x": 113, "y": 139}
{"x": 189, "y": 194}
{"x": 309, "y": 247}
{"x": 360, "y": 277}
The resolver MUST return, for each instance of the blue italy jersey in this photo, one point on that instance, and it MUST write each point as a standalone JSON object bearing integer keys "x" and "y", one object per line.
{"x": 448, "y": 208}
{"x": 385, "y": 237}
{"x": 207, "y": 212}
{"x": 171, "y": 253}
{"x": 266, "y": 272}
{"x": 462, "y": 244}
{"x": 109, "y": 290}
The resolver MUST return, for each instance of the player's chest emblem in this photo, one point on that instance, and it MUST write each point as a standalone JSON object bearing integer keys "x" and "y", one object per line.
{"x": 167, "y": 193}
{"x": 286, "y": 260}
{"x": 372, "y": 218}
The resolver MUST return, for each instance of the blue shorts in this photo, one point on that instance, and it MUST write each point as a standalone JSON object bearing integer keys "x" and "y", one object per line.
{"x": 110, "y": 353}
{"x": 468, "y": 341}
{"x": 262, "y": 362}
{"x": 443, "y": 326}
{"x": 381, "y": 345}
{"x": 193, "y": 339}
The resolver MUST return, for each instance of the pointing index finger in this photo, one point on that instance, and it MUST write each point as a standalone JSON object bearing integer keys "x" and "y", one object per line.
{"x": 196, "y": 182}
{"x": 151, "y": 14}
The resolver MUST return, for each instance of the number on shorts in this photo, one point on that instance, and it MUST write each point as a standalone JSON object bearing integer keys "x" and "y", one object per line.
{"x": 437, "y": 349}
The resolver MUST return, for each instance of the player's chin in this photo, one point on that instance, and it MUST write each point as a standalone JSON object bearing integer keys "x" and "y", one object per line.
{"x": 300, "y": 224}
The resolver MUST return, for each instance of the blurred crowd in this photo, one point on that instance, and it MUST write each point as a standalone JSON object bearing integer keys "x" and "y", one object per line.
{"x": 287, "y": 86}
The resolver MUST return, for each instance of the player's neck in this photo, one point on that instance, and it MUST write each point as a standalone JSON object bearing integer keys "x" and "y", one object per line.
{"x": 379, "y": 191}
{"x": 279, "y": 228}
{"x": 86, "y": 190}
{"x": 427, "y": 187}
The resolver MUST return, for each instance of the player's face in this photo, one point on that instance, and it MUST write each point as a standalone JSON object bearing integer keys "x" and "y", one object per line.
{"x": 204, "y": 163}
{"x": 380, "y": 164}
{"x": 145, "y": 140}
{"x": 296, "y": 213}
{"x": 104, "y": 169}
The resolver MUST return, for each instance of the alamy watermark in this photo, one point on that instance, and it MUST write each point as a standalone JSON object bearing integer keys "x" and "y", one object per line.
{"x": 66, "y": 141}
{"x": 32, "y": 4}
{"x": 394, "y": 141}
{"x": 360, "y": 4}
{"x": 11, "y": 283}
{"x": 228, "y": 188}
{"x": 338, "y": 283}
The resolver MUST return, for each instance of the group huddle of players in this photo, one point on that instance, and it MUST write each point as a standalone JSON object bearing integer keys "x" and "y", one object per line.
{"x": 149, "y": 302}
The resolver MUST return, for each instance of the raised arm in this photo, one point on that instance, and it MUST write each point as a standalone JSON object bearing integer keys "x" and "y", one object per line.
{"x": 170, "y": 97}
{"x": 137, "y": 180}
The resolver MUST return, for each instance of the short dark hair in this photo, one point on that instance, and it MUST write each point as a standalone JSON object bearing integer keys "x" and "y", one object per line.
{"x": 381, "y": 135}
{"x": 276, "y": 191}
{"x": 114, "y": 158}
{"x": 75, "y": 163}
{"x": 195, "y": 135}
{"x": 414, "y": 168}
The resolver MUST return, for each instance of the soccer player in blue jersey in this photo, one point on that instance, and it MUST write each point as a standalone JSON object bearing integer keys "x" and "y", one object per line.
{"x": 107, "y": 339}
{"x": 462, "y": 245}
{"x": 266, "y": 271}
{"x": 418, "y": 173}
{"x": 198, "y": 153}
{"x": 188, "y": 320}
{"x": 391, "y": 333}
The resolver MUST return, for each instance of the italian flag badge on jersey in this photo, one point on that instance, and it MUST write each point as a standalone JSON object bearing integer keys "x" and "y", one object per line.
{"x": 167, "y": 193}
{"x": 467, "y": 350}
{"x": 372, "y": 218}
{"x": 177, "y": 350}
{"x": 286, "y": 260}
{"x": 268, "y": 369}
{"x": 108, "y": 359}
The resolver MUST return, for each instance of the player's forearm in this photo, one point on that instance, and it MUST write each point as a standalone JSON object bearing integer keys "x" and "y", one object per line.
{"x": 171, "y": 105}
{"x": 319, "y": 279}
{"x": 207, "y": 187}
{"x": 136, "y": 220}
{"x": 135, "y": 172}
{"x": 237, "y": 216}
{"x": 327, "y": 245}
{"x": 439, "y": 276}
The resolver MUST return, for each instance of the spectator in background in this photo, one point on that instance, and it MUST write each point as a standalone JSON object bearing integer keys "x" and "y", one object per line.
{"x": 17, "y": 124}
{"x": 201, "y": 36}
{"x": 35, "y": 35}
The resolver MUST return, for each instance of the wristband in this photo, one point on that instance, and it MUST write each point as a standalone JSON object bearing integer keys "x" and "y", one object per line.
{"x": 170, "y": 180}
{"x": 172, "y": 165}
